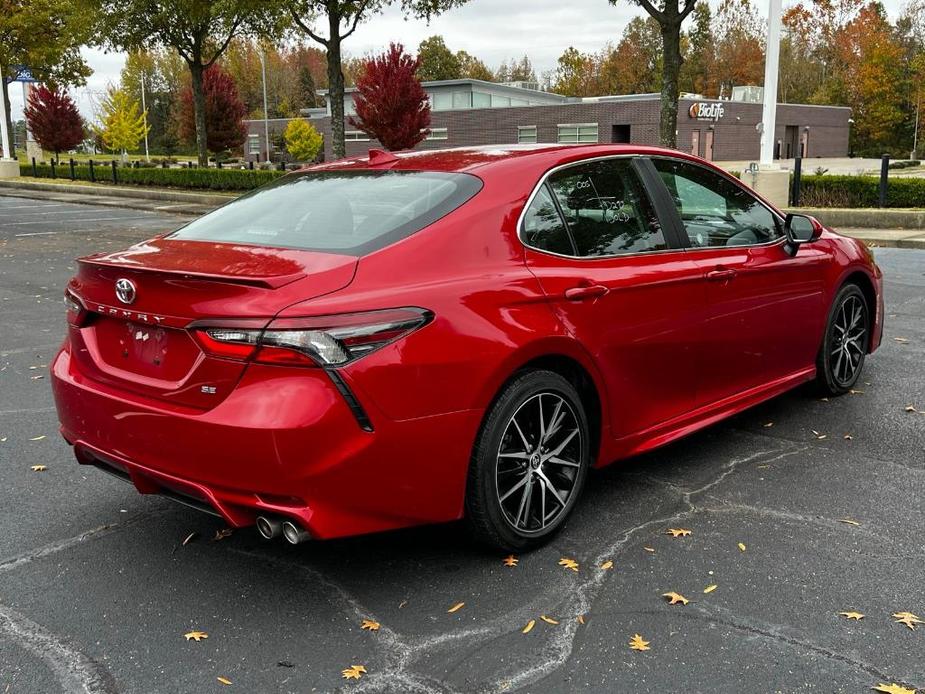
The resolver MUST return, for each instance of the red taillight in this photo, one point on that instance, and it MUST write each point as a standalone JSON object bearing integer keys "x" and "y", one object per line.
{"x": 317, "y": 341}
{"x": 74, "y": 309}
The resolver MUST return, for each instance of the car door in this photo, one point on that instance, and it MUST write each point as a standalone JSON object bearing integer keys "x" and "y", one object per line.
{"x": 763, "y": 315}
{"x": 615, "y": 276}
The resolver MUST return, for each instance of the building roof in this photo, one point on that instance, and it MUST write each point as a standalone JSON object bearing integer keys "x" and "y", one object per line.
{"x": 469, "y": 82}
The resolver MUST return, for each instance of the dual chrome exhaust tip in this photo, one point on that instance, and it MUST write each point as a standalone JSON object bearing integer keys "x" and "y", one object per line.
{"x": 271, "y": 528}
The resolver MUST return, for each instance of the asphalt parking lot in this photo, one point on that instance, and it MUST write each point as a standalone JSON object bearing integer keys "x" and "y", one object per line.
{"x": 799, "y": 510}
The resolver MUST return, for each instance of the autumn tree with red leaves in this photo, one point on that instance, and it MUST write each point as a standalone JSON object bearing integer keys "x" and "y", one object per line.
{"x": 224, "y": 112}
{"x": 390, "y": 103}
{"x": 54, "y": 119}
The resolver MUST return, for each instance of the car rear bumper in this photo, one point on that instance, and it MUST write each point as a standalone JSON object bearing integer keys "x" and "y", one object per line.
{"x": 284, "y": 442}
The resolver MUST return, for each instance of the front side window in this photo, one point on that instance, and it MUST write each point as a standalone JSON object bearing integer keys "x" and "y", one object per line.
{"x": 349, "y": 212}
{"x": 714, "y": 210}
{"x": 606, "y": 209}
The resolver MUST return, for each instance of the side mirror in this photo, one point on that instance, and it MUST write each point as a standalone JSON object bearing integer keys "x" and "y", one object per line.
{"x": 800, "y": 229}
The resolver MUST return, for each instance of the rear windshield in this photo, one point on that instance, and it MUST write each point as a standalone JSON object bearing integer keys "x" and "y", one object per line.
{"x": 348, "y": 212}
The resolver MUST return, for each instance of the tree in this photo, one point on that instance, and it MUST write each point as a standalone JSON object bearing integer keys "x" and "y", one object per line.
{"x": 307, "y": 87}
{"x": 697, "y": 70}
{"x": 165, "y": 76}
{"x": 303, "y": 141}
{"x": 635, "y": 65}
{"x": 198, "y": 30}
{"x": 122, "y": 123}
{"x": 437, "y": 61}
{"x": 669, "y": 17}
{"x": 54, "y": 119}
{"x": 391, "y": 105}
{"x": 739, "y": 45}
{"x": 575, "y": 74}
{"x": 517, "y": 71}
{"x": 473, "y": 68}
{"x": 45, "y": 36}
{"x": 342, "y": 18}
{"x": 223, "y": 112}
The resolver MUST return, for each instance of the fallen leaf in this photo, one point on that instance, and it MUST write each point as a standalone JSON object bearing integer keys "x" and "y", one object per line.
{"x": 581, "y": 619}
{"x": 196, "y": 636}
{"x": 848, "y": 521}
{"x": 768, "y": 425}
{"x": 222, "y": 534}
{"x": 37, "y": 438}
{"x": 607, "y": 565}
{"x": 638, "y": 644}
{"x": 188, "y": 539}
{"x": 548, "y": 620}
{"x": 911, "y": 408}
{"x": 224, "y": 680}
{"x": 456, "y": 608}
{"x": 892, "y": 689}
{"x": 901, "y": 340}
{"x": 856, "y": 616}
{"x": 402, "y": 604}
{"x": 370, "y": 625}
{"x": 678, "y": 532}
{"x": 848, "y": 437}
{"x": 818, "y": 435}
{"x": 568, "y": 563}
{"x": 527, "y": 629}
{"x": 353, "y": 672}
{"x": 710, "y": 588}
{"x": 742, "y": 546}
{"x": 675, "y": 598}
{"x": 907, "y": 618}
{"x": 39, "y": 468}
{"x": 762, "y": 467}
{"x": 823, "y": 399}
{"x": 649, "y": 549}
{"x": 284, "y": 663}
{"x": 510, "y": 560}
{"x": 3, "y": 439}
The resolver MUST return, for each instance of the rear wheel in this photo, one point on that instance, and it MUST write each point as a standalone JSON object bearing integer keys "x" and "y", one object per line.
{"x": 529, "y": 462}
{"x": 841, "y": 357}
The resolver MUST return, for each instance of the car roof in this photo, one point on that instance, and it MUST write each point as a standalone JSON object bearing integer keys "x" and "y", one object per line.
{"x": 463, "y": 159}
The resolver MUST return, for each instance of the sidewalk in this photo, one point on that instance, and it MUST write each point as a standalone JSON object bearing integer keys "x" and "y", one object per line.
{"x": 131, "y": 197}
{"x": 187, "y": 203}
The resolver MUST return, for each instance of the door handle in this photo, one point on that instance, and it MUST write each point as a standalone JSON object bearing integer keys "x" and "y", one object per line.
{"x": 721, "y": 274}
{"x": 592, "y": 291}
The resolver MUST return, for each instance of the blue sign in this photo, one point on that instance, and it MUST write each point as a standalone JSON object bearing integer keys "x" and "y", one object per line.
{"x": 23, "y": 74}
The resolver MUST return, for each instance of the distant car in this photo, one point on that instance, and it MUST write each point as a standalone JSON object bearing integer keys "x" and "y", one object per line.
{"x": 401, "y": 339}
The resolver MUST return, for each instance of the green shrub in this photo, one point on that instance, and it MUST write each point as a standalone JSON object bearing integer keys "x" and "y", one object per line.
{"x": 860, "y": 191}
{"x": 196, "y": 178}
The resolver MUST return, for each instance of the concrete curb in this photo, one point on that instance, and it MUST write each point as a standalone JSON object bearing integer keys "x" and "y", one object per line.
{"x": 866, "y": 218}
{"x": 166, "y": 195}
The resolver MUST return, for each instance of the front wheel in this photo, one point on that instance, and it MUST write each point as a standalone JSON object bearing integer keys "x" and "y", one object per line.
{"x": 841, "y": 357}
{"x": 529, "y": 462}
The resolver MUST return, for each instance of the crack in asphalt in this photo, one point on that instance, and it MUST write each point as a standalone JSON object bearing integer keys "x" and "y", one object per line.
{"x": 74, "y": 671}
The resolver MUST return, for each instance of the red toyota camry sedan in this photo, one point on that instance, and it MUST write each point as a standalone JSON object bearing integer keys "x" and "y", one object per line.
{"x": 421, "y": 337}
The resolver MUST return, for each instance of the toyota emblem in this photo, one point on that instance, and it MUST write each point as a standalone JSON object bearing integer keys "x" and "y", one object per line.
{"x": 125, "y": 291}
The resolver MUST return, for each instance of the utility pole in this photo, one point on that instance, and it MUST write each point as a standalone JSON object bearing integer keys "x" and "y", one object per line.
{"x": 144, "y": 111}
{"x": 266, "y": 125}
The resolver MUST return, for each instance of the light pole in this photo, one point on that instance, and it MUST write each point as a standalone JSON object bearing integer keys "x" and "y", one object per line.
{"x": 771, "y": 65}
{"x": 144, "y": 111}
{"x": 4, "y": 133}
{"x": 266, "y": 125}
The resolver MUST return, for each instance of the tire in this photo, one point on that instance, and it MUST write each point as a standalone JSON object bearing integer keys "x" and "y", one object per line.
{"x": 521, "y": 490}
{"x": 841, "y": 356}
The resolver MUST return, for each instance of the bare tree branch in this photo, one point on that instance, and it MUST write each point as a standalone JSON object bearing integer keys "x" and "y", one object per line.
{"x": 658, "y": 15}
{"x": 308, "y": 30}
{"x": 356, "y": 18}
{"x": 221, "y": 49}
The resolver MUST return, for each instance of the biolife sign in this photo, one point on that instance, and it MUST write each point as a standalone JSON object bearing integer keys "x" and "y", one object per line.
{"x": 701, "y": 110}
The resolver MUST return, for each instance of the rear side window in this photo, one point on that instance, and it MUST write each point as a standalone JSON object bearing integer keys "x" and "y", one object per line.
{"x": 543, "y": 226}
{"x": 348, "y": 212}
{"x": 604, "y": 208}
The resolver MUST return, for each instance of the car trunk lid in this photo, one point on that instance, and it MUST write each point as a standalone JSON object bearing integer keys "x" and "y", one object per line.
{"x": 140, "y": 341}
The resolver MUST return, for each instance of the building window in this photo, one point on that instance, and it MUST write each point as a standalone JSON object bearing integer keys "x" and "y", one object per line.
{"x": 441, "y": 101}
{"x": 462, "y": 100}
{"x": 500, "y": 101}
{"x": 571, "y": 133}
{"x": 437, "y": 134}
{"x": 481, "y": 100}
{"x": 356, "y": 136}
{"x": 253, "y": 144}
{"x": 526, "y": 133}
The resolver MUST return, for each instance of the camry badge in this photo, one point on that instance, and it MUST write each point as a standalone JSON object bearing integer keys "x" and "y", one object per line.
{"x": 125, "y": 290}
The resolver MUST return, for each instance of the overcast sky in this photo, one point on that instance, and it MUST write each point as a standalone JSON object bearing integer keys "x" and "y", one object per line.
{"x": 493, "y": 30}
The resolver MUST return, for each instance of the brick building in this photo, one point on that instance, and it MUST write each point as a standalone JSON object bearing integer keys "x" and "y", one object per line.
{"x": 473, "y": 112}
